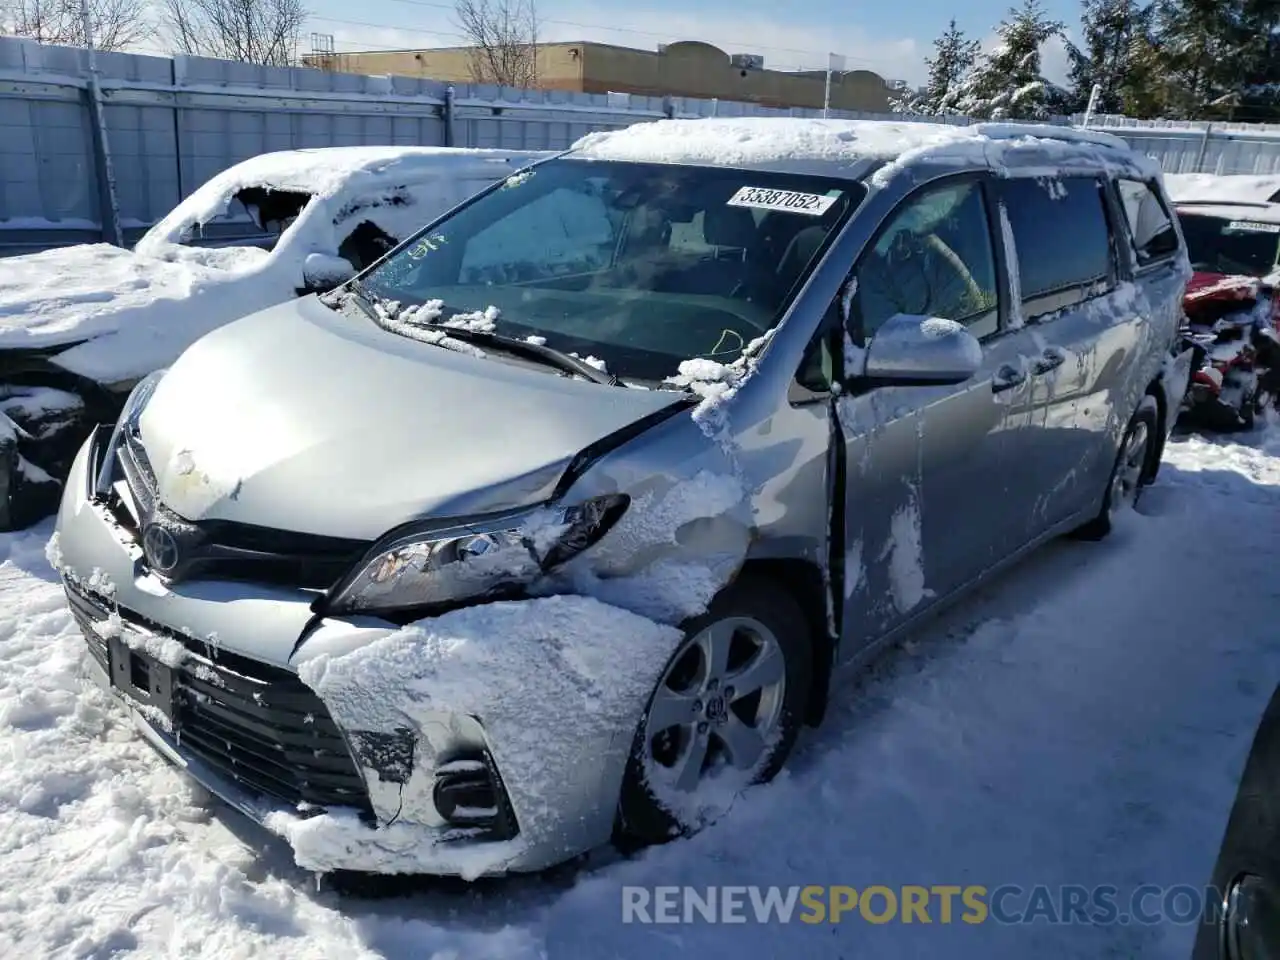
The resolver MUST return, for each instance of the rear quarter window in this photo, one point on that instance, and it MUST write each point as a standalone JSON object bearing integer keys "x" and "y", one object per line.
{"x": 1062, "y": 241}
{"x": 1150, "y": 224}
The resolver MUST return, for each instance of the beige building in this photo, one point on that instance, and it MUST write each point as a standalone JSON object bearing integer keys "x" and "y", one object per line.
{"x": 689, "y": 68}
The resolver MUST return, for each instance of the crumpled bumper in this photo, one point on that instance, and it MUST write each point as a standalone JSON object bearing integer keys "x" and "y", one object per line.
{"x": 210, "y": 672}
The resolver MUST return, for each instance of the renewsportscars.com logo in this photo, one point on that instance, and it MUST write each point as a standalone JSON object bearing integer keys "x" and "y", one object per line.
{"x": 939, "y": 903}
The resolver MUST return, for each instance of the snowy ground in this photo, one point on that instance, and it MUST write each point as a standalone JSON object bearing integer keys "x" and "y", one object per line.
{"x": 1084, "y": 721}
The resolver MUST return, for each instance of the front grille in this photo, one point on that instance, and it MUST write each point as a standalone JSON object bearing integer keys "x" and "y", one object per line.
{"x": 255, "y": 724}
{"x": 227, "y": 550}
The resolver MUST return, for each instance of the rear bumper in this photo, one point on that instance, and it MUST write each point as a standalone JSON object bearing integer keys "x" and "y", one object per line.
{"x": 1175, "y": 382}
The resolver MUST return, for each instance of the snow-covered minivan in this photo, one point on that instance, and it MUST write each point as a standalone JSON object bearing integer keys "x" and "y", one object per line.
{"x": 559, "y": 522}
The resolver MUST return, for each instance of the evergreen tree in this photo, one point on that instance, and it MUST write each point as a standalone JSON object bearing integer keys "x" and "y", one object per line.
{"x": 1201, "y": 52}
{"x": 1006, "y": 83}
{"x": 1115, "y": 34}
{"x": 1146, "y": 90}
{"x": 1258, "y": 35}
{"x": 953, "y": 57}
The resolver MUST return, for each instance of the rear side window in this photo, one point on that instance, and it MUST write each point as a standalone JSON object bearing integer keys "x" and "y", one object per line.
{"x": 1062, "y": 241}
{"x": 1150, "y": 226}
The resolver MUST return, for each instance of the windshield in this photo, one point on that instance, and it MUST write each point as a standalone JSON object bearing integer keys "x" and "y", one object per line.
{"x": 638, "y": 266}
{"x": 1220, "y": 245}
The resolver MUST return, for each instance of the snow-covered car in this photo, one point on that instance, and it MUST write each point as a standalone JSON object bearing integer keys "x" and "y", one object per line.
{"x": 558, "y": 523}
{"x": 1231, "y": 222}
{"x": 1232, "y": 228}
{"x": 79, "y": 326}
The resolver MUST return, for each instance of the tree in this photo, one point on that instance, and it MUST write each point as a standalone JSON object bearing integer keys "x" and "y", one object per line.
{"x": 1259, "y": 36}
{"x": 1006, "y": 82}
{"x": 953, "y": 57}
{"x": 1146, "y": 91}
{"x": 115, "y": 23}
{"x": 504, "y": 39}
{"x": 251, "y": 31}
{"x": 1199, "y": 52}
{"x": 1115, "y": 35}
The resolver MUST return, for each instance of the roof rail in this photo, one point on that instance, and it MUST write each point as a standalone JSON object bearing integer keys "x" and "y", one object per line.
{"x": 1049, "y": 131}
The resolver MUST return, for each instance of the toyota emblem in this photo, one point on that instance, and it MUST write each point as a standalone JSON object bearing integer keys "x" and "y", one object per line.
{"x": 161, "y": 548}
{"x": 717, "y": 710}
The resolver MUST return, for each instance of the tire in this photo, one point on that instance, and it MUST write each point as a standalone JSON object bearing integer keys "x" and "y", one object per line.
{"x": 1249, "y": 859}
{"x": 27, "y": 492}
{"x": 1131, "y": 471}
{"x": 762, "y": 631}
{"x": 41, "y": 429}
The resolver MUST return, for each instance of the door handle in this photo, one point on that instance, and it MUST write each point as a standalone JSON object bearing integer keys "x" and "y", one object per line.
{"x": 1008, "y": 377}
{"x": 1049, "y": 360}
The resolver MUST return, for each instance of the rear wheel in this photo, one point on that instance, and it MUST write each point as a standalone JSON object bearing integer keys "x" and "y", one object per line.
{"x": 724, "y": 715}
{"x": 1131, "y": 471}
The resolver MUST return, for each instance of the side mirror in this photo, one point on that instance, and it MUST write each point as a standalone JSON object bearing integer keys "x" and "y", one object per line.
{"x": 321, "y": 273}
{"x": 918, "y": 351}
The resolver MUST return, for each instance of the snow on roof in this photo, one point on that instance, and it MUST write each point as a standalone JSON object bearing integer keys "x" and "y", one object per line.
{"x": 322, "y": 170}
{"x": 755, "y": 141}
{"x": 1221, "y": 188}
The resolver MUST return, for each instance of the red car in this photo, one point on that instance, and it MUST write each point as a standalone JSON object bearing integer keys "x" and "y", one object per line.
{"x": 1232, "y": 229}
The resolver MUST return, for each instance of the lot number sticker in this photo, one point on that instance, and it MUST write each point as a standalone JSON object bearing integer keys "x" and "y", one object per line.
{"x": 811, "y": 204}
{"x": 1252, "y": 226}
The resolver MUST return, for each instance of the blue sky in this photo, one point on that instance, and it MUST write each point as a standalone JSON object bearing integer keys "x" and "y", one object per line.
{"x": 890, "y": 38}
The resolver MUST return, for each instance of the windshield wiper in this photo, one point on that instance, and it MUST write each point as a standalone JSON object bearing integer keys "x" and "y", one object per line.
{"x": 356, "y": 293}
{"x": 549, "y": 356}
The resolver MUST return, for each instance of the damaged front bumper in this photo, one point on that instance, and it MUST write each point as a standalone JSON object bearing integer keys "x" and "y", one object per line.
{"x": 257, "y": 738}
{"x": 209, "y": 671}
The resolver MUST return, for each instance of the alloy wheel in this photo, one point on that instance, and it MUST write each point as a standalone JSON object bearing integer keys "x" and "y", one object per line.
{"x": 1127, "y": 481}
{"x": 719, "y": 704}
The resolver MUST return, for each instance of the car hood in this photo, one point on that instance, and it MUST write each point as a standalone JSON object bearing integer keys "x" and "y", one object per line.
{"x": 315, "y": 421}
{"x": 1216, "y": 287}
{"x": 136, "y": 312}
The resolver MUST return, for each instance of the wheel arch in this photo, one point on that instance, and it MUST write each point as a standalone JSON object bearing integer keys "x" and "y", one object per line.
{"x": 805, "y": 582}
{"x": 1155, "y": 389}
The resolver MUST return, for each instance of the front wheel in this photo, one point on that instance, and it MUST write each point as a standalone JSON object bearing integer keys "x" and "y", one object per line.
{"x": 1131, "y": 471}
{"x": 723, "y": 716}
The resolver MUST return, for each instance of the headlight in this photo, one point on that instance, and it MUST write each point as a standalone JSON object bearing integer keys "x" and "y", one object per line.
{"x": 128, "y": 420}
{"x": 447, "y": 565}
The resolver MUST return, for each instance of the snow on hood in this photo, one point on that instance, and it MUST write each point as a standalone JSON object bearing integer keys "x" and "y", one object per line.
{"x": 146, "y": 309}
{"x": 1222, "y": 286}
{"x": 747, "y": 141}
{"x": 1211, "y": 188}
{"x": 306, "y": 419}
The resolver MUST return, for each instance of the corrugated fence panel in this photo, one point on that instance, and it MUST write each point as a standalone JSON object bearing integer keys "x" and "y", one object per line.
{"x": 174, "y": 123}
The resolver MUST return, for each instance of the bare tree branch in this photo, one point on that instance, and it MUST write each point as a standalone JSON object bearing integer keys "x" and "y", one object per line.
{"x": 115, "y": 23}
{"x": 504, "y": 40}
{"x": 251, "y": 31}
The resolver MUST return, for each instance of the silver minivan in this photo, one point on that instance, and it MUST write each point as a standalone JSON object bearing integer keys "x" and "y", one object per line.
{"x": 561, "y": 520}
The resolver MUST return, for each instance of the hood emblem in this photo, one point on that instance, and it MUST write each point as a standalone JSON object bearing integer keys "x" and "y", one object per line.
{"x": 161, "y": 548}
